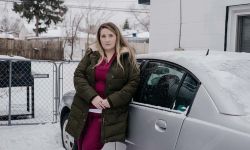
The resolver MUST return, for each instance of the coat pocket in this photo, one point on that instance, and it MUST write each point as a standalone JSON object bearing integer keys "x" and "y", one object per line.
{"x": 76, "y": 113}
{"x": 115, "y": 117}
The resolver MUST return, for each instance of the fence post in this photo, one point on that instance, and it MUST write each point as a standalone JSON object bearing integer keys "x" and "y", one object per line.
{"x": 57, "y": 89}
{"x": 59, "y": 82}
{"x": 10, "y": 77}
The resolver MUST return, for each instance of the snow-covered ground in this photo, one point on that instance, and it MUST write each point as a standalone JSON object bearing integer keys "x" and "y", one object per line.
{"x": 36, "y": 137}
{"x": 31, "y": 137}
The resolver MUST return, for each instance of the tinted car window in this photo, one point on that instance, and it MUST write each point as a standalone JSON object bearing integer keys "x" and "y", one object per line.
{"x": 186, "y": 93}
{"x": 140, "y": 63}
{"x": 159, "y": 84}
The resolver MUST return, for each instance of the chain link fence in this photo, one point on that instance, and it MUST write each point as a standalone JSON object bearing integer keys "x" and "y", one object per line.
{"x": 66, "y": 74}
{"x": 28, "y": 91}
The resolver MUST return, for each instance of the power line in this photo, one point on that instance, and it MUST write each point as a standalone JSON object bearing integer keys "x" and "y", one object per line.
{"x": 105, "y": 1}
{"x": 120, "y": 1}
{"x": 110, "y": 9}
{"x": 93, "y": 8}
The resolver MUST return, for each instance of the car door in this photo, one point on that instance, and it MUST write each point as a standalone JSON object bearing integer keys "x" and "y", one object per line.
{"x": 155, "y": 120}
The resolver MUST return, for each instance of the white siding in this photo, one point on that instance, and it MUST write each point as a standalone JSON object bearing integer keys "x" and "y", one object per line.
{"x": 203, "y": 24}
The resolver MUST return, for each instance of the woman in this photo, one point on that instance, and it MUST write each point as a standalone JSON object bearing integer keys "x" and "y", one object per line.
{"x": 105, "y": 81}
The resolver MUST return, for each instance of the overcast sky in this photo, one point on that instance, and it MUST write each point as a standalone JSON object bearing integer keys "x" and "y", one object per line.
{"x": 76, "y": 6}
{"x": 118, "y": 17}
{"x": 109, "y": 3}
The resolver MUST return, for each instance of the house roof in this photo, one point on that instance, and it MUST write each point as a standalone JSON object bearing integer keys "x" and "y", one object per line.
{"x": 5, "y": 35}
{"x": 134, "y": 33}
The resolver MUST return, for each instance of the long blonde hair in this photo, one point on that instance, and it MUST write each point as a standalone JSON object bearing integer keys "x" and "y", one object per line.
{"x": 120, "y": 43}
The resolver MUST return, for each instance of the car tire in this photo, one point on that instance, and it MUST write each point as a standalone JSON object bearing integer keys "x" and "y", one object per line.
{"x": 67, "y": 139}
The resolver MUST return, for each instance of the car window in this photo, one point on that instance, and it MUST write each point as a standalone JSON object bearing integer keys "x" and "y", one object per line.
{"x": 141, "y": 62}
{"x": 186, "y": 93}
{"x": 159, "y": 84}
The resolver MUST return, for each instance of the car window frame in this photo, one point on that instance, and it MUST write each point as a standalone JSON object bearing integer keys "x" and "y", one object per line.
{"x": 143, "y": 63}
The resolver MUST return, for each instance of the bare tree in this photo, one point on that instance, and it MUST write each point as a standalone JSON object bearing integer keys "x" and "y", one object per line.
{"x": 93, "y": 18}
{"x": 16, "y": 25}
{"x": 10, "y": 23}
{"x": 71, "y": 31}
{"x": 86, "y": 20}
{"x": 142, "y": 17}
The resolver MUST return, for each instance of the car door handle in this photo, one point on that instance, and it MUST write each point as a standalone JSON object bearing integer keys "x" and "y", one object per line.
{"x": 161, "y": 125}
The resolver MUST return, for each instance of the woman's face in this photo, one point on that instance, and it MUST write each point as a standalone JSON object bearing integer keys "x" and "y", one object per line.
{"x": 108, "y": 39}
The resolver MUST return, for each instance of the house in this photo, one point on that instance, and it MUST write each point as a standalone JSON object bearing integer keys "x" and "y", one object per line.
{"x": 26, "y": 31}
{"x": 136, "y": 36}
{"x": 53, "y": 32}
{"x": 199, "y": 25}
{"x": 6, "y": 35}
{"x": 129, "y": 33}
{"x": 137, "y": 39}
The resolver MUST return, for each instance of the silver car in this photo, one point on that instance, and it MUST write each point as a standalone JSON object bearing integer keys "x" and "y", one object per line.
{"x": 186, "y": 100}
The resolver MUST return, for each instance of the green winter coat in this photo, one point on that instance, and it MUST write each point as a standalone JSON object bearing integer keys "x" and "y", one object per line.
{"x": 120, "y": 87}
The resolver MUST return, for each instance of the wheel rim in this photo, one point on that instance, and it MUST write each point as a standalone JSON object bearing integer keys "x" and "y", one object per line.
{"x": 68, "y": 140}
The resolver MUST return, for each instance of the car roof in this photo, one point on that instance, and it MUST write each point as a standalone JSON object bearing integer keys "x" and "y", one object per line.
{"x": 225, "y": 75}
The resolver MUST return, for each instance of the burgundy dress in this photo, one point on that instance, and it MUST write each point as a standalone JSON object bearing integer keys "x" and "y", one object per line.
{"x": 90, "y": 138}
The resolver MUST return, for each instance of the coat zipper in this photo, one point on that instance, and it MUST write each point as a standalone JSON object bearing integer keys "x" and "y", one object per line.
{"x": 102, "y": 129}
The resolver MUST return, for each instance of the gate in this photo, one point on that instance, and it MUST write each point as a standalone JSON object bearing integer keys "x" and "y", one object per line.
{"x": 28, "y": 91}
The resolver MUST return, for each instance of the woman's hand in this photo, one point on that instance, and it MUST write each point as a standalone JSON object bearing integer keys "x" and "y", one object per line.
{"x": 98, "y": 102}
{"x": 106, "y": 103}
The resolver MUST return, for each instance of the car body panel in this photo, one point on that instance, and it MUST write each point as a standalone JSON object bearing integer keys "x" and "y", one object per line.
{"x": 197, "y": 134}
{"x": 150, "y": 127}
